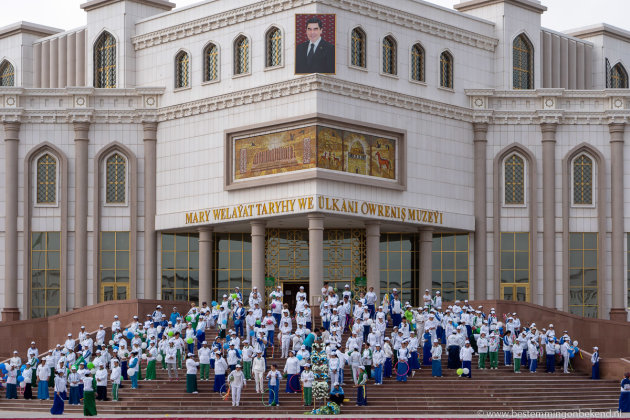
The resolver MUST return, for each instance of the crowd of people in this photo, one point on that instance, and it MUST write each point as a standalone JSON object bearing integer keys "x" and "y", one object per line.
{"x": 386, "y": 338}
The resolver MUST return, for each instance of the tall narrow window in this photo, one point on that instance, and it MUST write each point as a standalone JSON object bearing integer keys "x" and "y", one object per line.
{"x": 45, "y": 274}
{"x": 514, "y": 180}
{"x": 400, "y": 265}
{"x": 211, "y": 63}
{"x": 357, "y": 48}
{"x": 105, "y": 61}
{"x": 273, "y": 48}
{"x": 515, "y": 266}
{"x": 618, "y": 77}
{"x": 182, "y": 70}
{"x": 46, "y": 179}
{"x": 180, "y": 266}
{"x": 7, "y": 74}
{"x": 583, "y": 274}
{"x": 417, "y": 63}
{"x": 116, "y": 172}
{"x": 446, "y": 70}
{"x": 583, "y": 180}
{"x": 389, "y": 55}
{"x": 241, "y": 55}
{"x": 114, "y": 266}
{"x": 522, "y": 63}
{"x": 450, "y": 265}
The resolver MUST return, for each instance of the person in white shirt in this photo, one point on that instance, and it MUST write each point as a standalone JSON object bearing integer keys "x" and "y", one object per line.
{"x": 482, "y": 348}
{"x": 15, "y": 361}
{"x": 307, "y": 377}
{"x": 465, "y": 355}
{"x": 191, "y": 374}
{"x": 285, "y": 338}
{"x": 258, "y": 369}
{"x": 70, "y": 343}
{"x": 378, "y": 361}
{"x": 43, "y": 374}
{"x": 170, "y": 355}
{"x": 73, "y": 380}
{"x": 32, "y": 352}
{"x": 101, "y": 383}
{"x": 204, "y": 354}
{"x": 532, "y": 353}
{"x": 100, "y": 337}
{"x": 274, "y": 385}
{"x": 436, "y": 359}
{"x": 115, "y": 324}
{"x": 370, "y": 301}
{"x": 237, "y": 383}
{"x": 437, "y": 301}
{"x": 115, "y": 378}
{"x": 254, "y": 297}
{"x": 292, "y": 369}
{"x": 220, "y": 367}
{"x": 89, "y": 404}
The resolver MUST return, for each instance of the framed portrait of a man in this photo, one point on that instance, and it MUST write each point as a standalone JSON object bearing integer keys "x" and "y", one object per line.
{"x": 315, "y": 43}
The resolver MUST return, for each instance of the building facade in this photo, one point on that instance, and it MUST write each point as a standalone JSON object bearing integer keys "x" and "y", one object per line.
{"x": 179, "y": 153}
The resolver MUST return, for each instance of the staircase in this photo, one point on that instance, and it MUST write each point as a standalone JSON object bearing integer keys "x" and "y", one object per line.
{"x": 498, "y": 390}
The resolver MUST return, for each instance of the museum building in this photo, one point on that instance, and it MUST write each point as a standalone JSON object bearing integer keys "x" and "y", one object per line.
{"x": 179, "y": 153}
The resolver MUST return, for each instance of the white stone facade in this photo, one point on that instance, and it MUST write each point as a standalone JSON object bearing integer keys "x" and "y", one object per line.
{"x": 452, "y": 141}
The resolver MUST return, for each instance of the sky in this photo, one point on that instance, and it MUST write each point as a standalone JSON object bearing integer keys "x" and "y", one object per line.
{"x": 562, "y": 14}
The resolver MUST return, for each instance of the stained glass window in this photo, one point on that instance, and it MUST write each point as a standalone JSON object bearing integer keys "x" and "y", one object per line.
{"x": 7, "y": 74}
{"x": 523, "y": 63}
{"x": 514, "y": 180}
{"x": 105, "y": 61}
{"x": 389, "y": 55}
{"x": 116, "y": 171}
{"x": 357, "y": 48}
{"x": 417, "y": 63}
{"x": 274, "y": 47}
{"x": 446, "y": 70}
{"x": 46, "y": 179}
{"x": 582, "y": 180}
{"x": 241, "y": 55}
{"x": 182, "y": 70}
{"x": 232, "y": 265}
{"x": 618, "y": 77}
{"x": 211, "y": 63}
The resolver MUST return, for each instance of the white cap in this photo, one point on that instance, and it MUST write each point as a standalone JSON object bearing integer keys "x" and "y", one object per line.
{"x": 69, "y": 334}
{"x": 82, "y": 326}
{"x": 32, "y": 342}
{"x": 115, "y": 316}
{"x": 595, "y": 348}
{"x": 394, "y": 290}
{"x": 101, "y": 326}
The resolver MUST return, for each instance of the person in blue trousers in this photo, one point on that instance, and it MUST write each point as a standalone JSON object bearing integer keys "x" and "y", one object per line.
{"x": 595, "y": 362}
{"x": 624, "y": 396}
{"x": 135, "y": 365}
{"x": 274, "y": 376}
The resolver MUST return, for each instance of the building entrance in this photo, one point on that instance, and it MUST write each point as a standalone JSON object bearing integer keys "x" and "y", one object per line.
{"x": 290, "y": 290}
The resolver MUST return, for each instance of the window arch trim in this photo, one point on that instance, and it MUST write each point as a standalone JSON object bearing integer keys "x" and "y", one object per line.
{"x": 105, "y": 165}
{"x": 389, "y": 55}
{"x": 529, "y": 70}
{"x": 237, "y": 69}
{"x": 268, "y": 62}
{"x": 504, "y": 168}
{"x": 95, "y": 51}
{"x": 362, "y": 53}
{"x": 447, "y": 76}
{"x": 182, "y": 74}
{"x": 204, "y": 69}
{"x": 8, "y": 74}
{"x": 619, "y": 76}
{"x": 422, "y": 70}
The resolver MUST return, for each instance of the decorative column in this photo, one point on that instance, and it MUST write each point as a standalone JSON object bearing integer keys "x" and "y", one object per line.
{"x": 258, "y": 258}
{"x": 315, "y": 257}
{"x": 11, "y": 142}
{"x": 373, "y": 260}
{"x": 81, "y": 139}
{"x": 549, "y": 214}
{"x": 150, "y": 237}
{"x": 426, "y": 266}
{"x": 480, "y": 141}
{"x": 205, "y": 265}
{"x": 618, "y": 310}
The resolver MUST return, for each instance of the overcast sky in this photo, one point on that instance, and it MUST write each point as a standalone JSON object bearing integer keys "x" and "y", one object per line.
{"x": 562, "y": 14}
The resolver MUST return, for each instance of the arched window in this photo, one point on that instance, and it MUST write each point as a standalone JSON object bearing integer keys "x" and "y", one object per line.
{"x": 357, "y": 48}
{"x": 116, "y": 177}
{"x": 273, "y": 46}
{"x": 105, "y": 61}
{"x": 182, "y": 70}
{"x": 522, "y": 63}
{"x": 7, "y": 74}
{"x": 241, "y": 55}
{"x": 446, "y": 70}
{"x": 514, "y": 180}
{"x": 583, "y": 180}
{"x": 46, "y": 179}
{"x": 389, "y": 55}
{"x": 619, "y": 77}
{"x": 211, "y": 63}
{"x": 417, "y": 63}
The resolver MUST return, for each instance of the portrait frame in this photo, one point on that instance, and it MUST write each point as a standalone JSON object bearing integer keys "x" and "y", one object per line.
{"x": 324, "y": 60}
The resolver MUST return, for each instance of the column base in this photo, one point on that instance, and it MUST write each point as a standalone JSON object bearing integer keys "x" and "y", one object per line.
{"x": 619, "y": 314}
{"x": 10, "y": 314}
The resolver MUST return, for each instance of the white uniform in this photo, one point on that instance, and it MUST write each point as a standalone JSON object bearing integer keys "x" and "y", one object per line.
{"x": 237, "y": 382}
{"x": 258, "y": 368}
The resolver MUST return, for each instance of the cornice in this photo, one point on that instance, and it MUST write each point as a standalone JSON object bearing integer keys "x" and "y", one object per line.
{"x": 558, "y": 117}
{"x": 320, "y": 83}
{"x": 269, "y": 7}
{"x": 72, "y": 116}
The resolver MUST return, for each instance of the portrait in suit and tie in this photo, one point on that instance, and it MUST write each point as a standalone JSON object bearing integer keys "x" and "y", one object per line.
{"x": 315, "y": 44}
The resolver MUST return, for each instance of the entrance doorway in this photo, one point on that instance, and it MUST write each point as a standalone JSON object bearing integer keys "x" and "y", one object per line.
{"x": 290, "y": 290}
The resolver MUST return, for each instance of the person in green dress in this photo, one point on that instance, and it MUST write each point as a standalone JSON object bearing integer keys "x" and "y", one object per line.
{"x": 191, "y": 374}
{"x": 89, "y": 403}
{"x": 307, "y": 377}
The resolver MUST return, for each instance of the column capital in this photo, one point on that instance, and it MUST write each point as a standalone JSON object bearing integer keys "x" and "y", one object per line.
{"x": 205, "y": 229}
{"x": 548, "y": 131}
{"x": 617, "y": 131}
{"x": 11, "y": 130}
{"x": 150, "y": 130}
{"x": 81, "y": 130}
{"x": 373, "y": 228}
{"x": 258, "y": 227}
{"x": 315, "y": 221}
{"x": 480, "y": 131}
